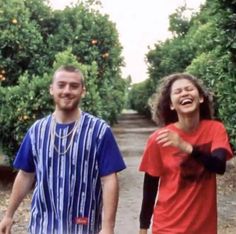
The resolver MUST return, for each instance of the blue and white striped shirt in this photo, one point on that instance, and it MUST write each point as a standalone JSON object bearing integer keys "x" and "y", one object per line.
{"x": 68, "y": 195}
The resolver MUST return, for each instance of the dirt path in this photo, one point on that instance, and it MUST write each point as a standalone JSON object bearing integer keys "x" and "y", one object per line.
{"x": 131, "y": 132}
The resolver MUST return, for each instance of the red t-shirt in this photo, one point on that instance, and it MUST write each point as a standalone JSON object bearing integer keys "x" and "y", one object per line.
{"x": 186, "y": 201}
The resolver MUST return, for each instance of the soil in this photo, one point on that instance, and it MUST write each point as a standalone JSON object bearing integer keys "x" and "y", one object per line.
{"x": 131, "y": 133}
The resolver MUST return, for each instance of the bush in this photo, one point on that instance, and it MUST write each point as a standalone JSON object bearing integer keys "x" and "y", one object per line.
{"x": 33, "y": 40}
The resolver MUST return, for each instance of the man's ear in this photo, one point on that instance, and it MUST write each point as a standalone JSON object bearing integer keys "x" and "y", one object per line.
{"x": 84, "y": 92}
{"x": 50, "y": 90}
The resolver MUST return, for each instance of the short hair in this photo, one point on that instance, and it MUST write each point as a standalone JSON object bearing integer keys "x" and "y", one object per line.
{"x": 70, "y": 68}
{"x": 163, "y": 115}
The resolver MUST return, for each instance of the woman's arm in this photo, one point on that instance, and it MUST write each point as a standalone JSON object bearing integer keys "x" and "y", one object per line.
{"x": 214, "y": 161}
{"x": 150, "y": 186}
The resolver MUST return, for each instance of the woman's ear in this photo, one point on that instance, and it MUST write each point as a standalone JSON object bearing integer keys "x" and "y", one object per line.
{"x": 171, "y": 107}
{"x": 201, "y": 99}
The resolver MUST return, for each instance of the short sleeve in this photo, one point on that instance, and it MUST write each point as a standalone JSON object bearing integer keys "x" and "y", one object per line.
{"x": 109, "y": 157}
{"x": 24, "y": 156}
{"x": 151, "y": 161}
{"x": 221, "y": 139}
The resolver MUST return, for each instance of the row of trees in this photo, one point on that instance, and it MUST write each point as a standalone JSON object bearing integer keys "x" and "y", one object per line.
{"x": 203, "y": 45}
{"x": 34, "y": 41}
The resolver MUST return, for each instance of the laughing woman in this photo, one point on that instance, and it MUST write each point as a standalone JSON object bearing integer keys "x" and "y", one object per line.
{"x": 181, "y": 160}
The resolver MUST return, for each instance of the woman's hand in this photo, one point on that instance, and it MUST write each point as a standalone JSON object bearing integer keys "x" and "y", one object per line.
{"x": 143, "y": 231}
{"x": 167, "y": 137}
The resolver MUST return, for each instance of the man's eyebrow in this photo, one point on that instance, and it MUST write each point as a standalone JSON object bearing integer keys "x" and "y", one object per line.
{"x": 73, "y": 82}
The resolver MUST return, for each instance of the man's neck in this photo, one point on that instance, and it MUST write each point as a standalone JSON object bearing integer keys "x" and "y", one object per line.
{"x": 67, "y": 116}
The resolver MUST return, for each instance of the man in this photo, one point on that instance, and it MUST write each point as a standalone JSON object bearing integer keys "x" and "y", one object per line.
{"x": 73, "y": 159}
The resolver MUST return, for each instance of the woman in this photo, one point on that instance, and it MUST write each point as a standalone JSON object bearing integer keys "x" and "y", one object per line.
{"x": 181, "y": 160}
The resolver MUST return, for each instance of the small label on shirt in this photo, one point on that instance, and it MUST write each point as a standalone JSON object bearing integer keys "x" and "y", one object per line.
{"x": 81, "y": 220}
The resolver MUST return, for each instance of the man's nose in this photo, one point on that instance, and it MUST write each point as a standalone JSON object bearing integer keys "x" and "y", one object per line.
{"x": 67, "y": 89}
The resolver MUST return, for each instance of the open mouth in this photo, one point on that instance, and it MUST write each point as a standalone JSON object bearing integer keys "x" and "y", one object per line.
{"x": 186, "y": 101}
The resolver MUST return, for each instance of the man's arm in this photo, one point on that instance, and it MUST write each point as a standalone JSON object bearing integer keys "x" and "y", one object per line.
{"x": 22, "y": 185}
{"x": 110, "y": 202}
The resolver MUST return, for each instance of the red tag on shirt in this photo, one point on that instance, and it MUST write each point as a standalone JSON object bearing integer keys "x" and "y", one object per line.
{"x": 81, "y": 220}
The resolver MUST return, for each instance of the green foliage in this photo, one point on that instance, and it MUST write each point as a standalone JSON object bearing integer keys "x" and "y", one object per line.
{"x": 204, "y": 47}
{"x": 204, "y": 67}
{"x": 30, "y": 100}
{"x": 91, "y": 102}
{"x": 21, "y": 105}
{"x": 20, "y": 41}
{"x": 204, "y": 38}
{"x": 139, "y": 95}
{"x": 179, "y": 23}
{"x": 228, "y": 24}
{"x": 33, "y": 44}
{"x": 172, "y": 55}
{"x": 78, "y": 27}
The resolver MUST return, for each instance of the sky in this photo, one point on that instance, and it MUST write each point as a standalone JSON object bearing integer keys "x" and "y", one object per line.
{"x": 140, "y": 24}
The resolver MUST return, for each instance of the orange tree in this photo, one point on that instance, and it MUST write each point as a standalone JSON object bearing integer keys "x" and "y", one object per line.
{"x": 172, "y": 55}
{"x": 30, "y": 100}
{"x": 206, "y": 48}
{"x": 21, "y": 42}
{"x": 32, "y": 37}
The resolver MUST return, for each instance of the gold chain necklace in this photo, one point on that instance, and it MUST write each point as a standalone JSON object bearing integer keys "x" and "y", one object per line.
{"x": 72, "y": 133}
{"x": 66, "y": 135}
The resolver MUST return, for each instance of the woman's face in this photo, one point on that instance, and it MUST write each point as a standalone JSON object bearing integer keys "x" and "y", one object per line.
{"x": 185, "y": 97}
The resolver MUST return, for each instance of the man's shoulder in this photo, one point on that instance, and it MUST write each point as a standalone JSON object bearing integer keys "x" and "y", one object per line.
{"x": 40, "y": 122}
{"x": 92, "y": 118}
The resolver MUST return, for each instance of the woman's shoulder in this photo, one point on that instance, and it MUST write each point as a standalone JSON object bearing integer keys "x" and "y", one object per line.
{"x": 154, "y": 134}
{"x": 212, "y": 125}
{"x": 212, "y": 122}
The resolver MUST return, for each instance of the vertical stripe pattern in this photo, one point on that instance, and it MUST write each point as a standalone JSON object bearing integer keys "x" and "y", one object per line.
{"x": 67, "y": 198}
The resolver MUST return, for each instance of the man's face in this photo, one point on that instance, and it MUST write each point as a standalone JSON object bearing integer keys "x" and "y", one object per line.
{"x": 67, "y": 89}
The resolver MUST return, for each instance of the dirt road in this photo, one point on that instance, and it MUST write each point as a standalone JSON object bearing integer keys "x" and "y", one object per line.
{"x": 131, "y": 132}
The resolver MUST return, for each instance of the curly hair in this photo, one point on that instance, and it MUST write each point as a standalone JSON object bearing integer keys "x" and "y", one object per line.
{"x": 163, "y": 115}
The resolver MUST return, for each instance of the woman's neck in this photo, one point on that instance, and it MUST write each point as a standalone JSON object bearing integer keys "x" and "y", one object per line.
{"x": 188, "y": 123}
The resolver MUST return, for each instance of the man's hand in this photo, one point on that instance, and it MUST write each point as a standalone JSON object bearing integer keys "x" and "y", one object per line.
{"x": 21, "y": 187}
{"x": 107, "y": 231}
{"x": 5, "y": 225}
